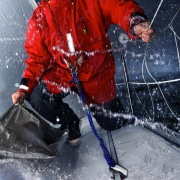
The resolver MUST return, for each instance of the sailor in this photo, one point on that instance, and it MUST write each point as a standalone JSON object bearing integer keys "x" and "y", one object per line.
{"x": 47, "y": 77}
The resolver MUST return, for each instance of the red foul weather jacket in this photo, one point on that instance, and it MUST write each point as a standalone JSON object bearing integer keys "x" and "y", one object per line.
{"x": 88, "y": 22}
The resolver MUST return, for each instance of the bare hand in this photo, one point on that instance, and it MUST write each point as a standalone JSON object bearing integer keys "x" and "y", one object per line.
{"x": 18, "y": 97}
{"x": 144, "y": 32}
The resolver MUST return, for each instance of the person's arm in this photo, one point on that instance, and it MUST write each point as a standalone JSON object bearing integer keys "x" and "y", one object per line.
{"x": 129, "y": 16}
{"x": 38, "y": 57}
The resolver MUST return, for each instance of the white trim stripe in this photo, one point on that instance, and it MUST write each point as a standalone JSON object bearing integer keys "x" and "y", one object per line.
{"x": 23, "y": 87}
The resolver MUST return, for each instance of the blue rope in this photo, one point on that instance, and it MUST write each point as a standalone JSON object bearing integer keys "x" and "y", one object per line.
{"x": 107, "y": 156}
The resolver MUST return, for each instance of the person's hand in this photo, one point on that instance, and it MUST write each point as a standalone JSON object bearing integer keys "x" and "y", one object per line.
{"x": 144, "y": 32}
{"x": 18, "y": 97}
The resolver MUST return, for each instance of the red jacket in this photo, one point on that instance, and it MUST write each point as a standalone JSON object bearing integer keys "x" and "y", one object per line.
{"x": 88, "y": 22}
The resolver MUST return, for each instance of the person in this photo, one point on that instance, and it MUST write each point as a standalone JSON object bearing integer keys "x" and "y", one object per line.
{"x": 47, "y": 77}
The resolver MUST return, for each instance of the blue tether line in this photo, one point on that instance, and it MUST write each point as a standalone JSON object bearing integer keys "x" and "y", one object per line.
{"x": 107, "y": 156}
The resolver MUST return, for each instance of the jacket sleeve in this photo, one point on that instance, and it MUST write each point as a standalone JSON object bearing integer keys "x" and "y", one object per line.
{"x": 125, "y": 13}
{"x": 38, "y": 57}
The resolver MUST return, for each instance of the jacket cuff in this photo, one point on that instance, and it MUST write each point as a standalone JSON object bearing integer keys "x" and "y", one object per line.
{"x": 25, "y": 86}
{"x": 135, "y": 19}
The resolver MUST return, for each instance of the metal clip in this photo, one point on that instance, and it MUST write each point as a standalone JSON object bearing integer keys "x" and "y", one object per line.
{"x": 73, "y": 70}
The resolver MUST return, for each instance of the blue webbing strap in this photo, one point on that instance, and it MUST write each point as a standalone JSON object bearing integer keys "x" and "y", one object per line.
{"x": 107, "y": 156}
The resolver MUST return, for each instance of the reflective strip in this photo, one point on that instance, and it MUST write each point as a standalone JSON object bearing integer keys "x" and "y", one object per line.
{"x": 23, "y": 87}
{"x": 70, "y": 42}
